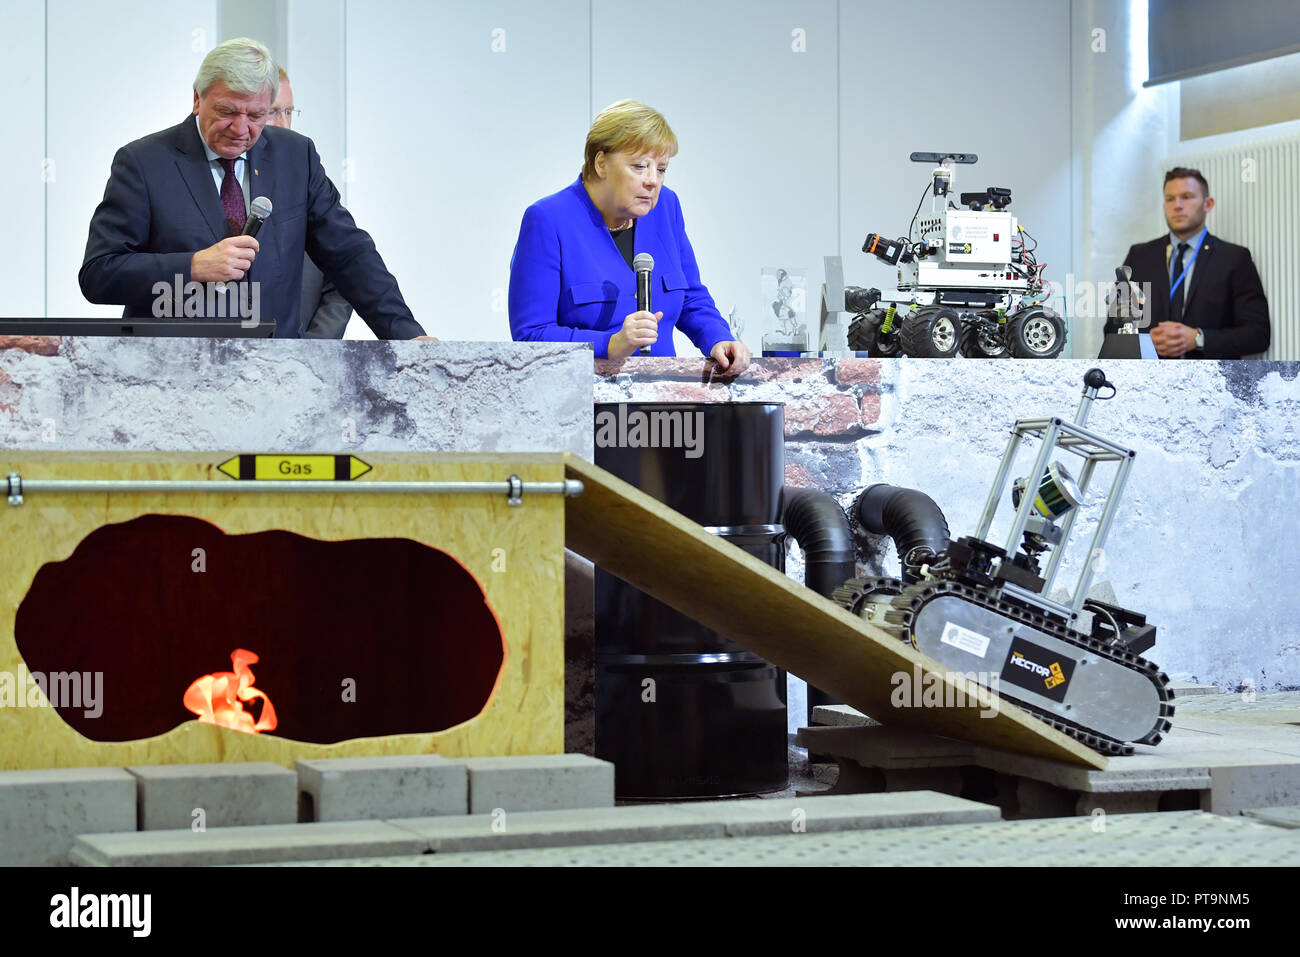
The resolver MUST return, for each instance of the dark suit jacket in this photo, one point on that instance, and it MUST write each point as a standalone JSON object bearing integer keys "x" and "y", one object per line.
{"x": 161, "y": 206}
{"x": 1225, "y": 298}
{"x": 325, "y": 313}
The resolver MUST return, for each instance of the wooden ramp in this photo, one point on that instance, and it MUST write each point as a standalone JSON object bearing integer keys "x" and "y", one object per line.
{"x": 666, "y": 555}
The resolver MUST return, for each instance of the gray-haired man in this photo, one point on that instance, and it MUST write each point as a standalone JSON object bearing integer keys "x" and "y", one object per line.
{"x": 177, "y": 202}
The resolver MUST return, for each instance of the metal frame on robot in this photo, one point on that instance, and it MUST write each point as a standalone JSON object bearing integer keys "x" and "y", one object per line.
{"x": 1072, "y": 437}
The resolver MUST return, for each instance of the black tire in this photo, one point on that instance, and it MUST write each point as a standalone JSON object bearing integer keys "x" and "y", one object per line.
{"x": 933, "y": 332}
{"x": 1036, "y": 333}
{"x": 864, "y": 335}
{"x": 984, "y": 340}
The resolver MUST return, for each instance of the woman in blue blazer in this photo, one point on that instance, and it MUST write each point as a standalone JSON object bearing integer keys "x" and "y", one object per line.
{"x": 571, "y": 276}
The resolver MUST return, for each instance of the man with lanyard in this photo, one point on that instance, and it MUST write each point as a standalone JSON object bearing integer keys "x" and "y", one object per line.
{"x": 1206, "y": 300}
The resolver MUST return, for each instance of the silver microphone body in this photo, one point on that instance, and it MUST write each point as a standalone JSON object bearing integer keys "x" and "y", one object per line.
{"x": 259, "y": 211}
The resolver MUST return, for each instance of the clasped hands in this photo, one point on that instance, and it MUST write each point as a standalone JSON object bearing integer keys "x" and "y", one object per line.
{"x": 1173, "y": 339}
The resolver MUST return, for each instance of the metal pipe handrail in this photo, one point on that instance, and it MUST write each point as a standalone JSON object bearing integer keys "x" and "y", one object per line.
{"x": 513, "y": 487}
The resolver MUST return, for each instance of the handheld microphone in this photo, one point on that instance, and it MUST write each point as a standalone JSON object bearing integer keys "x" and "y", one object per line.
{"x": 259, "y": 210}
{"x": 644, "y": 265}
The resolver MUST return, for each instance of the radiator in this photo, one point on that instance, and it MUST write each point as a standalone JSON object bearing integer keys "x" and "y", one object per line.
{"x": 1256, "y": 190}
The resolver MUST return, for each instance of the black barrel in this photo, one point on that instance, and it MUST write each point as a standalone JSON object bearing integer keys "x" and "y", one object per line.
{"x": 681, "y": 711}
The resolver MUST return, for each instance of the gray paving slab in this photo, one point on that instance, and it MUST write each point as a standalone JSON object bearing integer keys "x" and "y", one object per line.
{"x": 172, "y": 796}
{"x": 245, "y": 845}
{"x": 1187, "y": 689}
{"x": 696, "y": 820}
{"x": 373, "y": 788}
{"x": 546, "y": 782}
{"x": 842, "y": 812}
{"x": 1183, "y": 839}
{"x": 1274, "y": 707}
{"x": 1145, "y": 774}
{"x": 895, "y": 749}
{"x": 1278, "y": 816}
{"x": 524, "y": 829}
{"x": 42, "y": 812}
{"x": 1240, "y": 731}
{"x": 1184, "y": 760}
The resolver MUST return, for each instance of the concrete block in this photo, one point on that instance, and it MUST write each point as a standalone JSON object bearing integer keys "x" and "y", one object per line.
{"x": 354, "y": 789}
{"x": 1236, "y": 788}
{"x": 840, "y": 812}
{"x": 42, "y": 812}
{"x": 1278, "y": 816}
{"x": 523, "y": 829}
{"x": 245, "y": 845}
{"x": 546, "y": 782}
{"x": 841, "y": 716}
{"x": 229, "y": 795}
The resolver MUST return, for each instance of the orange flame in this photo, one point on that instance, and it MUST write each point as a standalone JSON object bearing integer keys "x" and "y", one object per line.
{"x": 216, "y": 698}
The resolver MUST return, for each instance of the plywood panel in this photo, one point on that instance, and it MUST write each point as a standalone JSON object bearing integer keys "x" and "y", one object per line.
{"x": 662, "y": 553}
{"x": 524, "y": 715}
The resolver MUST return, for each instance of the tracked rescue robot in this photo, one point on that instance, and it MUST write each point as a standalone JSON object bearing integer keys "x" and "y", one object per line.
{"x": 984, "y": 611}
{"x": 968, "y": 283}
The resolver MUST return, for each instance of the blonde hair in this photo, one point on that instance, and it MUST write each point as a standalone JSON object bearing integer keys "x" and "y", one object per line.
{"x": 627, "y": 127}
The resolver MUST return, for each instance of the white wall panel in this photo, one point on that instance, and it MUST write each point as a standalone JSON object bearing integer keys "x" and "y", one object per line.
{"x": 748, "y": 86}
{"x": 315, "y": 64}
{"x": 449, "y": 140}
{"x": 22, "y": 170}
{"x": 117, "y": 72}
{"x": 991, "y": 78}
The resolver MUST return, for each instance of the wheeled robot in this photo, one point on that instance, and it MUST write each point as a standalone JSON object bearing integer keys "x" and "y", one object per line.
{"x": 968, "y": 283}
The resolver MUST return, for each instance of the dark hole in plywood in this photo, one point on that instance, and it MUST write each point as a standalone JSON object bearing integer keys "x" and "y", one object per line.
{"x": 398, "y": 626}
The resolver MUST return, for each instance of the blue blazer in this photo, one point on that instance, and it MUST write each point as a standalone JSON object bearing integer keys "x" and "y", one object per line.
{"x": 161, "y": 206}
{"x": 569, "y": 282}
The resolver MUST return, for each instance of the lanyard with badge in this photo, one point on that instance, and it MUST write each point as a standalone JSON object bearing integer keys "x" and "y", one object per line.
{"x": 1197, "y": 247}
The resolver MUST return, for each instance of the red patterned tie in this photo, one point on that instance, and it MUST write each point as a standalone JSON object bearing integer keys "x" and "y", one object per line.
{"x": 232, "y": 199}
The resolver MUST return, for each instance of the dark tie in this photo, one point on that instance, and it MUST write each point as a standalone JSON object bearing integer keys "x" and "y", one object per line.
{"x": 1176, "y": 303}
{"x": 232, "y": 199}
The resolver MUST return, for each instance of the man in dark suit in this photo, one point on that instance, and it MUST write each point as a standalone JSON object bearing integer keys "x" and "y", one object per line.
{"x": 1206, "y": 301}
{"x": 325, "y": 313}
{"x": 177, "y": 201}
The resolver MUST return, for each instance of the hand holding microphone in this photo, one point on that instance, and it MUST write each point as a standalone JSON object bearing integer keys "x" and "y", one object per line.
{"x": 259, "y": 211}
{"x": 230, "y": 259}
{"x": 641, "y": 328}
{"x": 644, "y": 265}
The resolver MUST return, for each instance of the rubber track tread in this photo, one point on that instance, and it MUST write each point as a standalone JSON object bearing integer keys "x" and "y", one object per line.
{"x": 913, "y": 597}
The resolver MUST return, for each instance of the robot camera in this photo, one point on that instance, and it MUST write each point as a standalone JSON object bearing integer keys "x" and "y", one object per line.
{"x": 886, "y": 250}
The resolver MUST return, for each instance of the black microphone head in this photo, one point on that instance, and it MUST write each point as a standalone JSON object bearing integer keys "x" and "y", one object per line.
{"x": 260, "y": 207}
{"x": 643, "y": 262}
